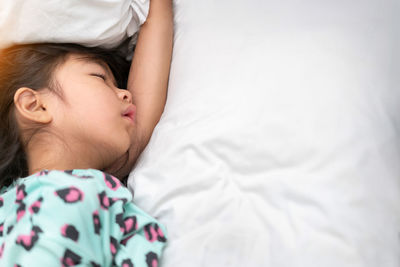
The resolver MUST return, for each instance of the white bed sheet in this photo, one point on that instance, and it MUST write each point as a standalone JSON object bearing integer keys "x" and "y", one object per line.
{"x": 280, "y": 141}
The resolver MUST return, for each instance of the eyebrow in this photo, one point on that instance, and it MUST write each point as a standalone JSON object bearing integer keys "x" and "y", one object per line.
{"x": 102, "y": 64}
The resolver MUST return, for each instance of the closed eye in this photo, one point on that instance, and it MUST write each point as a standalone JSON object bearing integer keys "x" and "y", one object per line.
{"x": 99, "y": 75}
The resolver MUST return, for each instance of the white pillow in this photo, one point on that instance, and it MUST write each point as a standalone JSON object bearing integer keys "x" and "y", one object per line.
{"x": 280, "y": 141}
{"x": 104, "y": 23}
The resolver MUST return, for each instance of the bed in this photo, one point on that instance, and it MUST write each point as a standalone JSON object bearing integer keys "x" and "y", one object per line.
{"x": 280, "y": 141}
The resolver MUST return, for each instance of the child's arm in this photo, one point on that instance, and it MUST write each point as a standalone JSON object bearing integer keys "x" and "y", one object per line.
{"x": 148, "y": 77}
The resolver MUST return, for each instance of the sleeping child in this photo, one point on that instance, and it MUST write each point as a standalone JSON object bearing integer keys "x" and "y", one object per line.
{"x": 67, "y": 130}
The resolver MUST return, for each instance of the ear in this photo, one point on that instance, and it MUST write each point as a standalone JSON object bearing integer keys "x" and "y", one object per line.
{"x": 31, "y": 106}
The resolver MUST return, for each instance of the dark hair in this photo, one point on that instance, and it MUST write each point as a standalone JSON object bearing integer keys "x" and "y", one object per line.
{"x": 33, "y": 66}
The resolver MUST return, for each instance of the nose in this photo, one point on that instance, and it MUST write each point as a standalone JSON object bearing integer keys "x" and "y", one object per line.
{"x": 125, "y": 95}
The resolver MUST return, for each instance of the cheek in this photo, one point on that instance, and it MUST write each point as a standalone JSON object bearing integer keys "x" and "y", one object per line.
{"x": 97, "y": 109}
{"x": 93, "y": 116}
{"x": 86, "y": 119}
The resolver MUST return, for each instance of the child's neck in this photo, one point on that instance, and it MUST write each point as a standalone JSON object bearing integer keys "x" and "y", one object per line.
{"x": 51, "y": 156}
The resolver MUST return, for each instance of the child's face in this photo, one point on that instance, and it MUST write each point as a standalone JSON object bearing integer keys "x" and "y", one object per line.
{"x": 95, "y": 118}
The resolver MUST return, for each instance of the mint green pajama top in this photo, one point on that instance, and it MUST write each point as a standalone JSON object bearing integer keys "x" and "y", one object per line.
{"x": 75, "y": 218}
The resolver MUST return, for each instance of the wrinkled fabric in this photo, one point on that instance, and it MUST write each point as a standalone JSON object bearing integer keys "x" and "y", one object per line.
{"x": 280, "y": 140}
{"x": 105, "y": 23}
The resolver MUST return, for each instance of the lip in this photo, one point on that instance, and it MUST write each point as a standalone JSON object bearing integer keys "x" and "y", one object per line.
{"x": 130, "y": 113}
